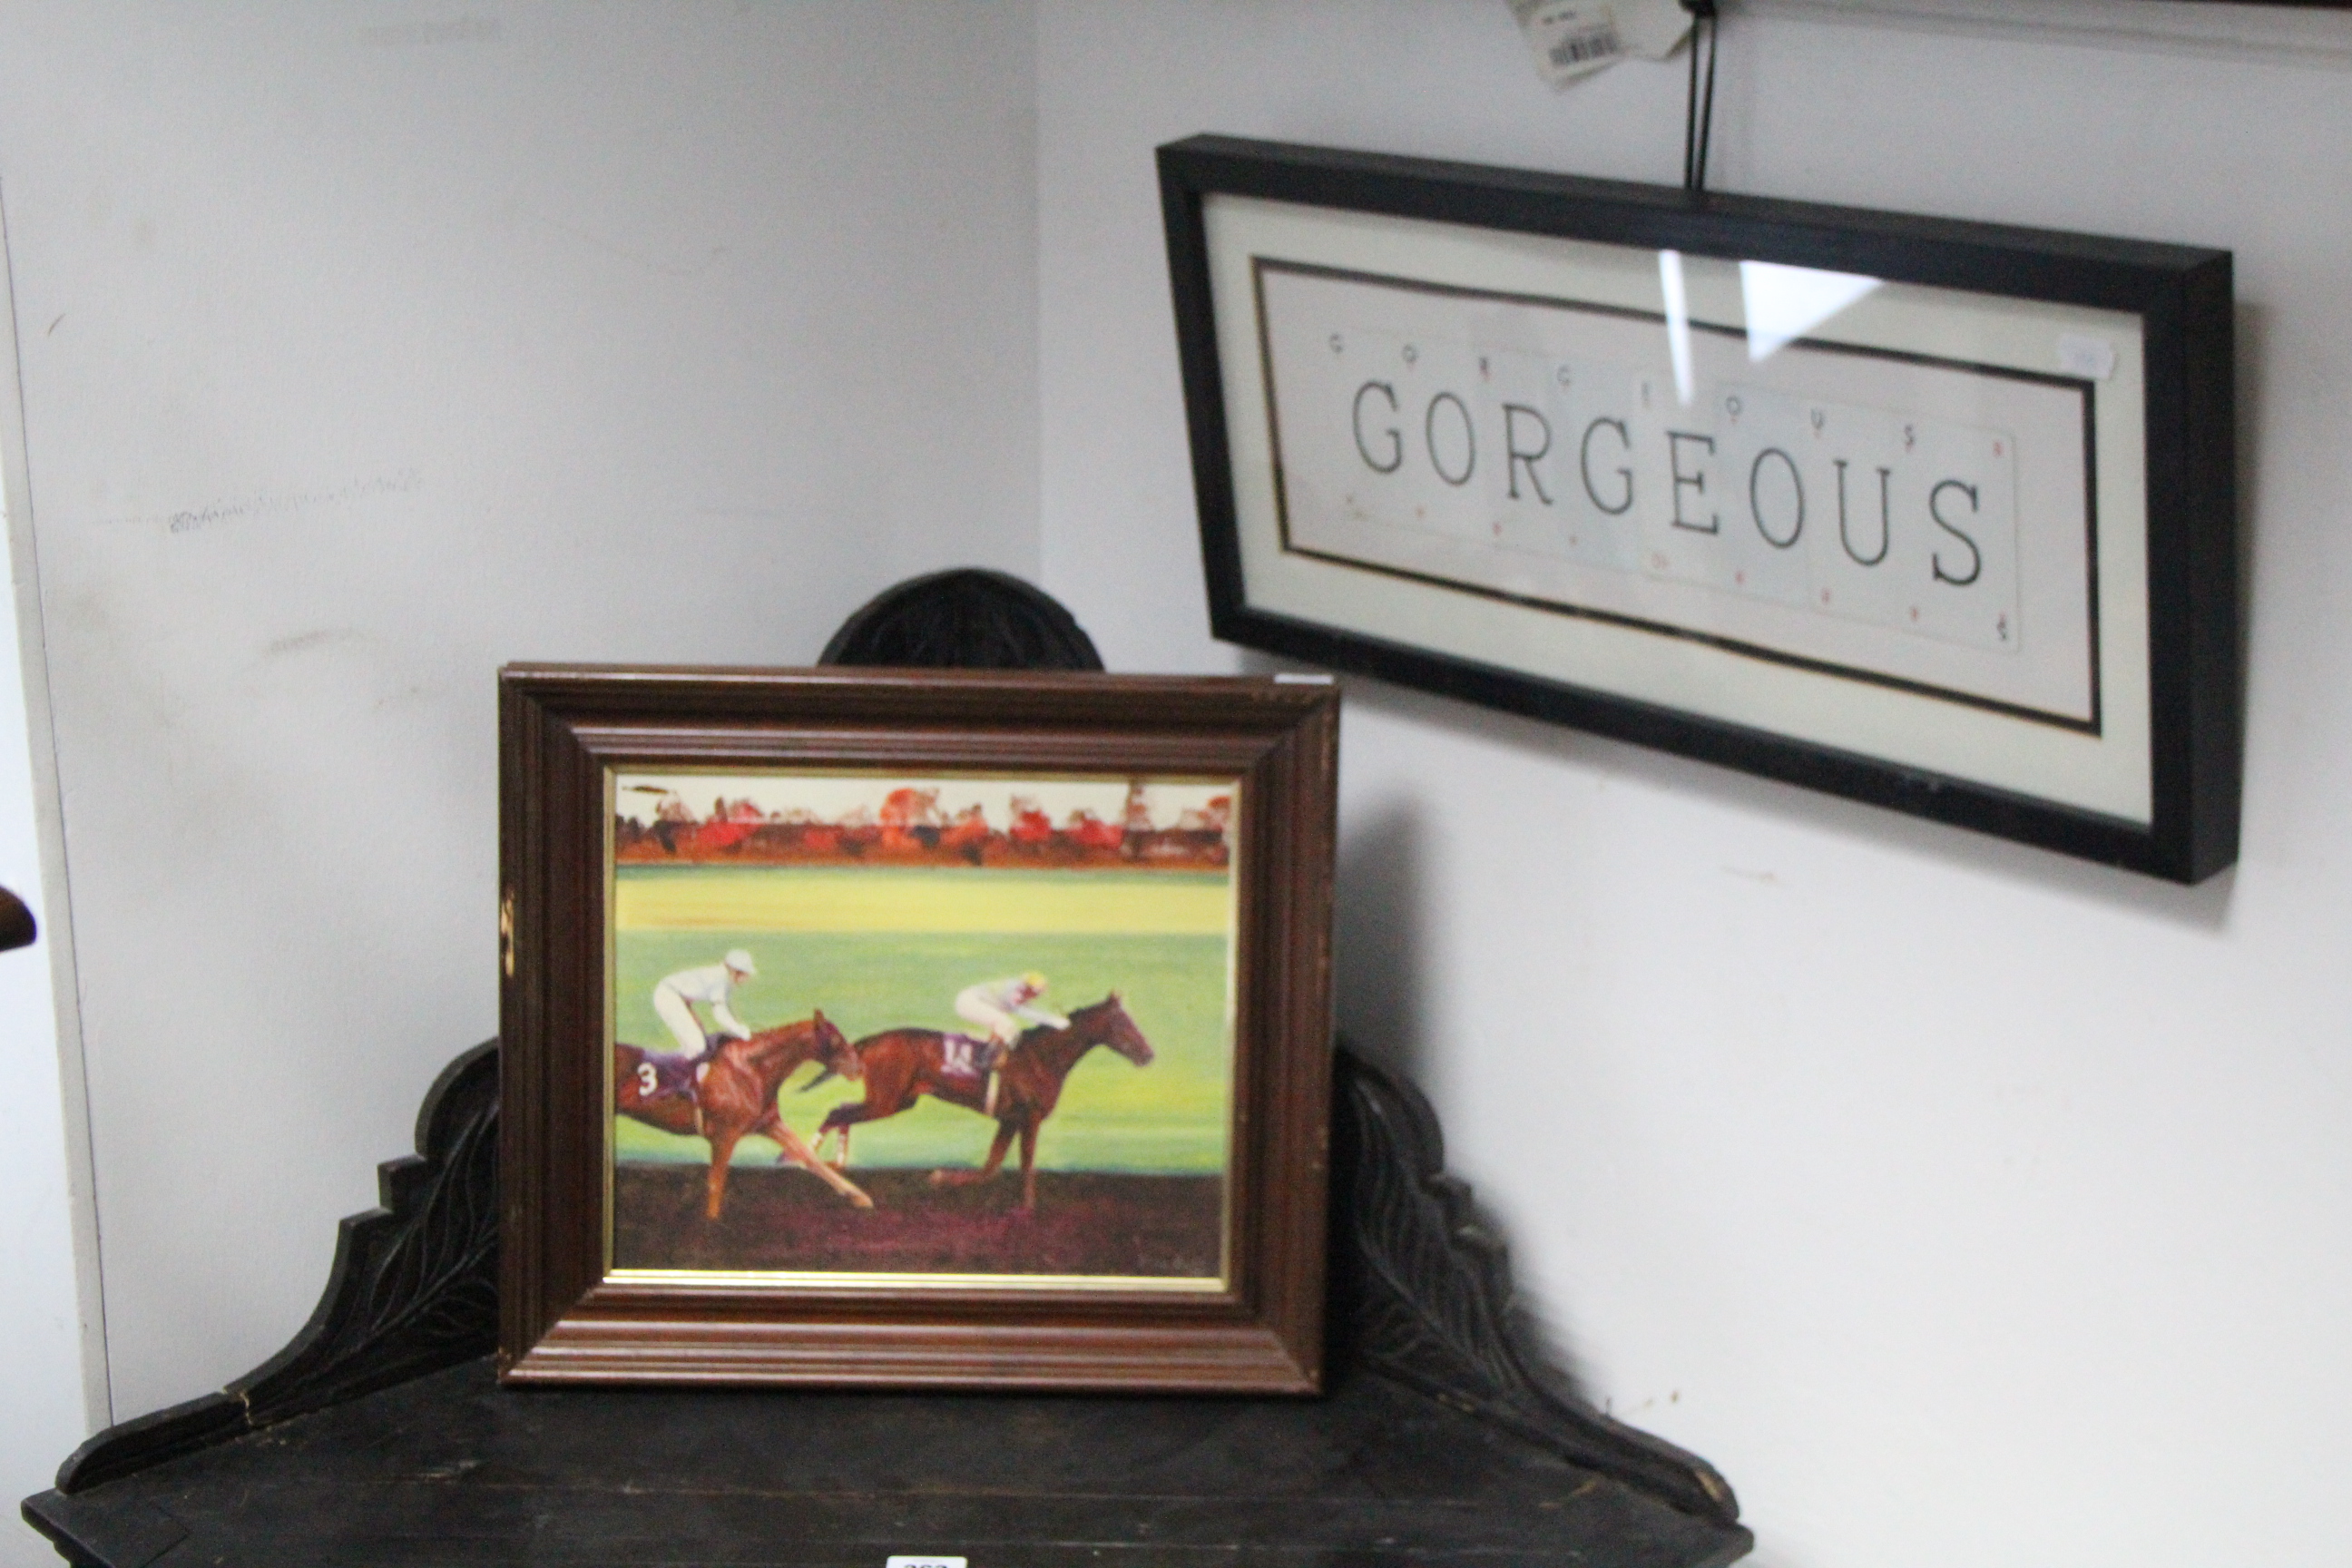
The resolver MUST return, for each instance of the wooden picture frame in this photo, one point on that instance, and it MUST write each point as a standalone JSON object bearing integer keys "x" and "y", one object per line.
{"x": 1228, "y": 787}
{"x": 1931, "y": 514}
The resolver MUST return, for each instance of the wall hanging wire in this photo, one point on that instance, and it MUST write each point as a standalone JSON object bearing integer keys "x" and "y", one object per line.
{"x": 1698, "y": 119}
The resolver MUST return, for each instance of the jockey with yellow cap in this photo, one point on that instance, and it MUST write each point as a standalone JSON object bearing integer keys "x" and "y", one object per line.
{"x": 1000, "y": 1006}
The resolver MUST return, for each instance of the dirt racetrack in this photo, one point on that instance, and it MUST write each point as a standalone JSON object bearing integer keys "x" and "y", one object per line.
{"x": 1085, "y": 1223}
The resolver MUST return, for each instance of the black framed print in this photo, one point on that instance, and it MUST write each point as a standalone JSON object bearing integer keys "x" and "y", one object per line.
{"x": 1932, "y": 514}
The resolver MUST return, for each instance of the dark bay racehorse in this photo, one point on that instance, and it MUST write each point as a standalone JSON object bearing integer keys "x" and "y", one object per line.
{"x": 901, "y": 1065}
{"x": 738, "y": 1098}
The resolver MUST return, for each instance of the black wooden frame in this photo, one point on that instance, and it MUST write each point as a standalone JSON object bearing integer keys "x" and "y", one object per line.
{"x": 2183, "y": 296}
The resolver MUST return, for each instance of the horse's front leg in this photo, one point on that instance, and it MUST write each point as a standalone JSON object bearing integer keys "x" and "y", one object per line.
{"x": 995, "y": 1163}
{"x": 722, "y": 1149}
{"x": 773, "y": 1126}
{"x": 841, "y": 1118}
{"x": 889, "y": 1090}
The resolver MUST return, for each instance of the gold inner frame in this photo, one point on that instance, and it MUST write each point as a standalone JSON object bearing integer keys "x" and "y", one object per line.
{"x": 825, "y": 1281}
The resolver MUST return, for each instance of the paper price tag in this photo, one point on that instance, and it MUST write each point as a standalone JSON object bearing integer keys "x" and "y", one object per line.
{"x": 1570, "y": 40}
{"x": 1573, "y": 38}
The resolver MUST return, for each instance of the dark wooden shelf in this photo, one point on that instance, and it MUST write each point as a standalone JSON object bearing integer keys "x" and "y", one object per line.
{"x": 450, "y": 1469}
{"x": 379, "y": 1436}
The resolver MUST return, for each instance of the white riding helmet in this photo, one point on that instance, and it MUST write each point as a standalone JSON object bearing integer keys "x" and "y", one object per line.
{"x": 740, "y": 962}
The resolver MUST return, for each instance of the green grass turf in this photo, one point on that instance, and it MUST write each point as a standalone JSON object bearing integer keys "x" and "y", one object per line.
{"x": 1170, "y": 1116}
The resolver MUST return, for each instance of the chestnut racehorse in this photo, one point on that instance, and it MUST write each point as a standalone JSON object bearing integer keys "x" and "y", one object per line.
{"x": 738, "y": 1098}
{"x": 902, "y": 1065}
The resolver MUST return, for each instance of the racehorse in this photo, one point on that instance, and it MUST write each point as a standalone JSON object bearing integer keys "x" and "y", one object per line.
{"x": 736, "y": 1097}
{"x": 903, "y": 1064}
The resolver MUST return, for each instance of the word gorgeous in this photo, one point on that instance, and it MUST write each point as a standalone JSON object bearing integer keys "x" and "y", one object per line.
{"x": 1860, "y": 512}
{"x": 1538, "y": 451}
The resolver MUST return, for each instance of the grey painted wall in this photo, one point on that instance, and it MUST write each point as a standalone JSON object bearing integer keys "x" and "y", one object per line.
{"x": 366, "y": 348}
{"x": 1966, "y": 1205}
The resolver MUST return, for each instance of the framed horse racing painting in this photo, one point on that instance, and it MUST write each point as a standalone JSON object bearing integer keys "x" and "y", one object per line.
{"x": 920, "y": 1028}
{"x": 1932, "y": 514}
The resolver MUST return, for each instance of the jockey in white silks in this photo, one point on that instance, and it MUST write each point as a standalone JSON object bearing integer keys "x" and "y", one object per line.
{"x": 1000, "y": 1007}
{"x": 713, "y": 985}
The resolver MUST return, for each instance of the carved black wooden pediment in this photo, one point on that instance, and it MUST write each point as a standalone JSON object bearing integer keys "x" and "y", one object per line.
{"x": 1422, "y": 1291}
{"x": 414, "y": 1288}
